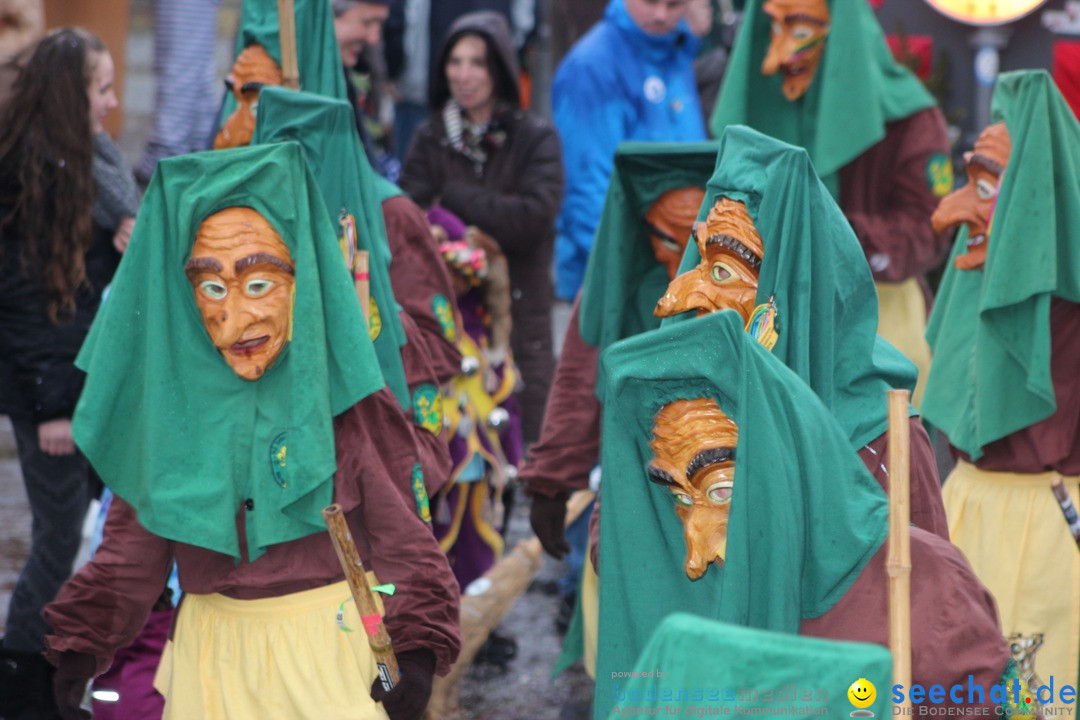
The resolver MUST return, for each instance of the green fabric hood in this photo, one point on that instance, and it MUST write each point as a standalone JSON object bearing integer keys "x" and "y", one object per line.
{"x": 317, "y": 55}
{"x": 990, "y": 328}
{"x": 166, "y": 422}
{"x": 764, "y": 673}
{"x": 326, "y": 129}
{"x": 806, "y": 516}
{"x": 623, "y": 281}
{"x": 816, "y": 274}
{"x": 857, "y": 89}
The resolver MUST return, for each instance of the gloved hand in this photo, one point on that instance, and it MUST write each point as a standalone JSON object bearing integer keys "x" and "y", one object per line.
{"x": 75, "y": 671}
{"x": 409, "y": 698}
{"x": 548, "y": 520}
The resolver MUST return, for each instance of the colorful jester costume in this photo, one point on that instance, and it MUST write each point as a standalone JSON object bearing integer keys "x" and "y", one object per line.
{"x": 1005, "y": 389}
{"x": 807, "y": 523}
{"x": 482, "y": 413}
{"x": 877, "y": 140}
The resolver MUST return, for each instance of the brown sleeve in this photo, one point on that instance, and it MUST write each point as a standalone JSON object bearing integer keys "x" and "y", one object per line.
{"x": 888, "y": 197}
{"x": 927, "y": 507}
{"x": 569, "y": 444}
{"x": 434, "y": 448}
{"x": 418, "y": 276}
{"x": 373, "y": 442}
{"x": 954, "y": 625}
{"x": 104, "y": 606}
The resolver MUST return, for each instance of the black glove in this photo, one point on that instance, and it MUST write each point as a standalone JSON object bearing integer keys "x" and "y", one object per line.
{"x": 409, "y": 698}
{"x": 75, "y": 671}
{"x": 548, "y": 519}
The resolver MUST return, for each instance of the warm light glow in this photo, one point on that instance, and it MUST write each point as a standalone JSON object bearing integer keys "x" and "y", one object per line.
{"x": 985, "y": 12}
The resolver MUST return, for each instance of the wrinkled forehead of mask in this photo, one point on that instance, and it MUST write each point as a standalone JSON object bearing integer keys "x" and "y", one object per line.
{"x": 995, "y": 145}
{"x": 676, "y": 208}
{"x": 254, "y": 65}
{"x": 238, "y": 226}
{"x": 682, "y": 426}
{"x": 730, "y": 217}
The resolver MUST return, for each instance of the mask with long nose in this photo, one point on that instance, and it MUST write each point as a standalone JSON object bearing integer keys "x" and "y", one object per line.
{"x": 973, "y": 204}
{"x": 797, "y": 43}
{"x": 253, "y": 70}
{"x": 670, "y": 221}
{"x": 243, "y": 278}
{"x": 727, "y": 276}
{"x": 694, "y": 447}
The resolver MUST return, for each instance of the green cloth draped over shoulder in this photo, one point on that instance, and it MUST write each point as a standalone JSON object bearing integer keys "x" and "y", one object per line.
{"x": 163, "y": 418}
{"x": 816, "y": 275}
{"x": 317, "y": 55}
{"x": 715, "y": 664}
{"x": 806, "y": 516}
{"x": 623, "y": 281}
{"x": 326, "y": 129}
{"x": 857, "y": 89}
{"x": 990, "y": 329}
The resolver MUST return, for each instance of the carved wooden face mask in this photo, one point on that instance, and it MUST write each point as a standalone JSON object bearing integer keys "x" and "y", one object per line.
{"x": 727, "y": 276}
{"x": 799, "y": 30}
{"x": 670, "y": 221}
{"x": 253, "y": 70}
{"x": 243, "y": 278}
{"x": 694, "y": 446}
{"x": 973, "y": 204}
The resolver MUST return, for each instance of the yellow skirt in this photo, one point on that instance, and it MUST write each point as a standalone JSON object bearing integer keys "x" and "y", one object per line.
{"x": 1012, "y": 530}
{"x": 902, "y": 321}
{"x": 303, "y": 655}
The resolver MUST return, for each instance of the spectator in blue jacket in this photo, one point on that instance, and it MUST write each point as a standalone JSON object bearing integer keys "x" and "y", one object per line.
{"x": 629, "y": 78}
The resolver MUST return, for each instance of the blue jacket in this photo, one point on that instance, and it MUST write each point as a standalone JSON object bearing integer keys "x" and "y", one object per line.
{"x": 617, "y": 83}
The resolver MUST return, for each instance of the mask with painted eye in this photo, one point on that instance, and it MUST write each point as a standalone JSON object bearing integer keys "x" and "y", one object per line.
{"x": 670, "y": 221}
{"x": 796, "y": 43}
{"x": 253, "y": 70}
{"x": 727, "y": 276}
{"x": 694, "y": 445}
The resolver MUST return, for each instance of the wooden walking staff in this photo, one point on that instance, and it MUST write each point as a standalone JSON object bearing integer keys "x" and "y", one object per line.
{"x": 362, "y": 278}
{"x": 290, "y": 71}
{"x": 898, "y": 563}
{"x": 350, "y": 561}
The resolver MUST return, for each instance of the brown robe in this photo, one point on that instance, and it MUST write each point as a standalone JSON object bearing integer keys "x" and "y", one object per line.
{"x": 105, "y": 605}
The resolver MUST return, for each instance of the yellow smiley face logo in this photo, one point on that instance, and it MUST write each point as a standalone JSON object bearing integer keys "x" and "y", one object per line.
{"x": 862, "y": 693}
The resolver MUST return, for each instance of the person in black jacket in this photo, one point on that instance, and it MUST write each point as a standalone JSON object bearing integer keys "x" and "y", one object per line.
{"x": 54, "y": 263}
{"x": 499, "y": 168}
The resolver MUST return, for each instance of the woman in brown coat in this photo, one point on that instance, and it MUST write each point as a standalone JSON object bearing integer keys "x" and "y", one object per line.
{"x": 499, "y": 168}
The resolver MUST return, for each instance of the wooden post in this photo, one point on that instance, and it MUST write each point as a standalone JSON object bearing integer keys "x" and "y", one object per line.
{"x": 898, "y": 562}
{"x": 290, "y": 72}
{"x": 350, "y": 561}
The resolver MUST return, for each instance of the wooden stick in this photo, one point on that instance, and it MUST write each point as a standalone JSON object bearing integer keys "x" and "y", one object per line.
{"x": 350, "y": 561}
{"x": 362, "y": 278}
{"x": 290, "y": 71}
{"x": 898, "y": 562}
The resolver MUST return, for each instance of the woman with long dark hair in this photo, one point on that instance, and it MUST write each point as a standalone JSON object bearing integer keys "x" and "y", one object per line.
{"x": 54, "y": 263}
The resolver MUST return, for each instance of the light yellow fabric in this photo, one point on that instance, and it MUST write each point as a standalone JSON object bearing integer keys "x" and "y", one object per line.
{"x": 902, "y": 321}
{"x": 590, "y": 615}
{"x": 1014, "y": 534}
{"x": 283, "y": 657}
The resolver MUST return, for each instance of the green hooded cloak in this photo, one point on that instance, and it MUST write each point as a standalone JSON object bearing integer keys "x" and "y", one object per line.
{"x": 857, "y": 89}
{"x": 750, "y": 672}
{"x": 318, "y": 57}
{"x": 806, "y": 516}
{"x": 990, "y": 328}
{"x": 326, "y": 129}
{"x": 623, "y": 281}
{"x": 163, "y": 418}
{"x": 817, "y": 277}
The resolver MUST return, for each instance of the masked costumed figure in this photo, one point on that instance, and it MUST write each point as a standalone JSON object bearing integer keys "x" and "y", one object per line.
{"x": 417, "y": 274}
{"x": 324, "y": 127}
{"x": 482, "y": 414}
{"x": 1004, "y": 389}
{"x": 826, "y": 81}
{"x": 231, "y": 395}
{"x": 774, "y": 246}
{"x": 732, "y": 494}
